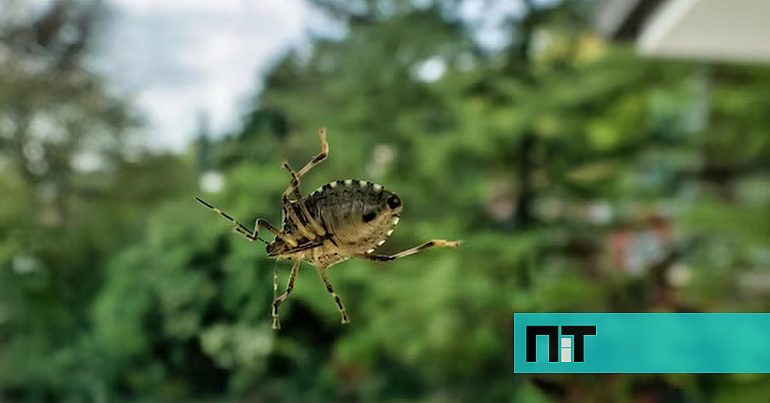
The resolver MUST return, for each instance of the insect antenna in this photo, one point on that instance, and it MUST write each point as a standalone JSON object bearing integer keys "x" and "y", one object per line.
{"x": 240, "y": 228}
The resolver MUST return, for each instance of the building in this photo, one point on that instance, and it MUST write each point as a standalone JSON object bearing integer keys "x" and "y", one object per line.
{"x": 708, "y": 30}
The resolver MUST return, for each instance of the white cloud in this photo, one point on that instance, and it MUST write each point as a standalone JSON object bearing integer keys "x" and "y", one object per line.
{"x": 166, "y": 5}
{"x": 181, "y": 57}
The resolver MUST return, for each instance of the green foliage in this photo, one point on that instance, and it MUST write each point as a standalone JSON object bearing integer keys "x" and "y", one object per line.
{"x": 544, "y": 157}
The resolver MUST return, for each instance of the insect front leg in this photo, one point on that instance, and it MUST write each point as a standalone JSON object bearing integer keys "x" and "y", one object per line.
{"x": 318, "y": 158}
{"x": 340, "y": 307}
{"x": 412, "y": 251}
{"x": 278, "y": 234}
{"x": 289, "y": 287}
{"x": 293, "y": 189}
{"x": 288, "y": 208}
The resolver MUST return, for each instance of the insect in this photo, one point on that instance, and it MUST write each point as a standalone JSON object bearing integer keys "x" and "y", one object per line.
{"x": 341, "y": 220}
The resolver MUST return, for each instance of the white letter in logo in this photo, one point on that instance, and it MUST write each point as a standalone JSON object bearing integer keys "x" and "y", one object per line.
{"x": 566, "y": 349}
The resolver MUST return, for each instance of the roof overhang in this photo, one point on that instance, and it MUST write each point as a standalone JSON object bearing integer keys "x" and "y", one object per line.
{"x": 718, "y": 30}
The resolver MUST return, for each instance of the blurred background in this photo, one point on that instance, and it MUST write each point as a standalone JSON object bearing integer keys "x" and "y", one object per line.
{"x": 595, "y": 156}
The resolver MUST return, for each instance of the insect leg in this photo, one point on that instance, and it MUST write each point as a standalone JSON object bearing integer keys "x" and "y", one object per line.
{"x": 318, "y": 158}
{"x": 278, "y": 234}
{"x": 340, "y": 307}
{"x": 412, "y": 251}
{"x": 294, "y": 190}
{"x": 240, "y": 228}
{"x": 289, "y": 287}
{"x": 289, "y": 209}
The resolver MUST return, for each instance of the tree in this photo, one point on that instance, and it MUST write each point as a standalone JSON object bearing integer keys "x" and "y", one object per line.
{"x": 71, "y": 197}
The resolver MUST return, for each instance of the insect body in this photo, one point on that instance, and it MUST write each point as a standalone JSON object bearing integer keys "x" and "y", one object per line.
{"x": 341, "y": 220}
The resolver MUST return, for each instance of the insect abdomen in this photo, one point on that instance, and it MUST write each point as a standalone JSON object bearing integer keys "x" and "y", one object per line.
{"x": 355, "y": 213}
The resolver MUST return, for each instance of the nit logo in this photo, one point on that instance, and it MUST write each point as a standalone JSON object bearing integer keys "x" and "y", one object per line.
{"x": 577, "y": 333}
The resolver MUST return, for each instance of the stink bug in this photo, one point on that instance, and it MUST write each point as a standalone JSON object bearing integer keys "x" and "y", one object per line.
{"x": 341, "y": 220}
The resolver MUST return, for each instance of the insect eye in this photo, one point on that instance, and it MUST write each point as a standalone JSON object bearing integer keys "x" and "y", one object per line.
{"x": 369, "y": 217}
{"x": 393, "y": 201}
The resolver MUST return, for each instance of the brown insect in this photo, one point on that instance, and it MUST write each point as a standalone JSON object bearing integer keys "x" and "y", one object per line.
{"x": 341, "y": 220}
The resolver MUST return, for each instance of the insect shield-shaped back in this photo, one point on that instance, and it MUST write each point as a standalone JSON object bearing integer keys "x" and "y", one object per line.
{"x": 358, "y": 214}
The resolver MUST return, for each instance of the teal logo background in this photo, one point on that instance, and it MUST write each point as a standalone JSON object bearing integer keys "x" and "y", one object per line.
{"x": 652, "y": 343}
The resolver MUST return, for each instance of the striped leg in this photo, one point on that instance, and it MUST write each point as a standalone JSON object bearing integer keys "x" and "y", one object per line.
{"x": 278, "y": 234}
{"x": 288, "y": 208}
{"x": 240, "y": 228}
{"x": 412, "y": 251}
{"x": 318, "y": 158}
{"x": 289, "y": 287}
{"x": 340, "y": 307}
{"x": 293, "y": 189}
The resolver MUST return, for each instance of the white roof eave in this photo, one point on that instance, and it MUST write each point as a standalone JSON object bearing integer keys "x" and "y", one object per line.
{"x": 717, "y": 30}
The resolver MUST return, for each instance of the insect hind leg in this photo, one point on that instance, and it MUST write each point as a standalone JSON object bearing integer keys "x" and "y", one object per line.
{"x": 412, "y": 251}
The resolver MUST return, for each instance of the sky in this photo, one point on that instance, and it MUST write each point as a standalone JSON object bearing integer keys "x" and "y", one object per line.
{"x": 176, "y": 59}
